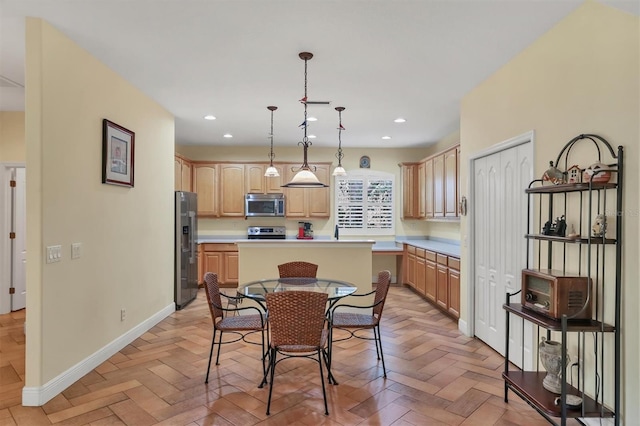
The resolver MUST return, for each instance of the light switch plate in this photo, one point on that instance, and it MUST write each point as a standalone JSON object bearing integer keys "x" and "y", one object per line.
{"x": 54, "y": 254}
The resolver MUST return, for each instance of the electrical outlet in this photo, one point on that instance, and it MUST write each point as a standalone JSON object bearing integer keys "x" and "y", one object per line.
{"x": 123, "y": 314}
{"x": 76, "y": 250}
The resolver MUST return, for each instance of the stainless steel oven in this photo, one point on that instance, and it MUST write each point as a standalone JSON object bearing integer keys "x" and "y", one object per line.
{"x": 264, "y": 205}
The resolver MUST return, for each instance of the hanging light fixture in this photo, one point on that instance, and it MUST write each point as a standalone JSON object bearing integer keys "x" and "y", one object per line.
{"x": 271, "y": 171}
{"x": 305, "y": 178}
{"x": 339, "y": 170}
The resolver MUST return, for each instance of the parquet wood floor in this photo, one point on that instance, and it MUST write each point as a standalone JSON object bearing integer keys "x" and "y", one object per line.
{"x": 436, "y": 376}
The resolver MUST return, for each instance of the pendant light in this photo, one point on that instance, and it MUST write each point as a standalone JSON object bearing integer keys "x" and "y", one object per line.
{"x": 339, "y": 170}
{"x": 305, "y": 178}
{"x": 271, "y": 171}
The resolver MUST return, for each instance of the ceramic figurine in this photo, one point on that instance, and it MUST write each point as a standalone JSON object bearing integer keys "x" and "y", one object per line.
{"x": 597, "y": 173}
{"x": 574, "y": 174}
{"x": 599, "y": 227}
{"x": 553, "y": 175}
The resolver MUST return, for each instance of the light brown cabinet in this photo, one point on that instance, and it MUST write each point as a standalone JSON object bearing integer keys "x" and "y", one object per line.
{"x": 257, "y": 183}
{"x": 409, "y": 191}
{"x": 307, "y": 202}
{"x": 221, "y": 258}
{"x": 231, "y": 190}
{"x": 205, "y": 180}
{"x": 435, "y": 276}
{"x": 182, "y": 180}
{"x": 430, "y": 188}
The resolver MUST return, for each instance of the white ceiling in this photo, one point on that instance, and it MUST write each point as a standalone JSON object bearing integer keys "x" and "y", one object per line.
{"x": 380, "y": 59}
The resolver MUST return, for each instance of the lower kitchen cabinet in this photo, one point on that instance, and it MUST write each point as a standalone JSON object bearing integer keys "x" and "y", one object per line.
{"x": 221, "y": 258}
{"x": 434, "y": 276}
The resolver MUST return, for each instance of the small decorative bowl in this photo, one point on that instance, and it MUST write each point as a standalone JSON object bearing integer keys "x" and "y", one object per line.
{"x": 600, "y": 173}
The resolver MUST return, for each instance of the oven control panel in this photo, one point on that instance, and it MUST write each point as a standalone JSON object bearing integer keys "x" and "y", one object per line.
{"x": 266, "y": 232}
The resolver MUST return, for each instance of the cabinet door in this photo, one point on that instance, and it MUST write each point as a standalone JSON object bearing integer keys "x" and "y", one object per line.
{"x": 428, "y": 188}
{"x": 317, "y": 199}
{"x": 231, "y": 190}
{"x": 438, "y": 186}
{"x": 230, "y": 267}
{"x": 254, "y": 178}
{"x": 408, "y": 191}
{"x": 420, "y": 274}
{"x": 204, "y": 184}
{"x": 421, "y": 190}
{"x": 454, "y": 293}
{"x": 430, "y": 280}
{"x": 177, "y": 180}
{"x": 442, "y": 283}
{"x": 212, "y": 262}
{"x": 451, "y": 183}
{"x": 294, "y": 197}
{"x": 274, "y": 184}
{"x": 411, "y": 270}
{"x": 186, "y": 176}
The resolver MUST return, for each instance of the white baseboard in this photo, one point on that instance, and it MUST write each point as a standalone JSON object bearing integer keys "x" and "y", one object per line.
{"x": 463, "y": 327}
{"x": 37, "y": 396}
{"x": 597, "y": 421}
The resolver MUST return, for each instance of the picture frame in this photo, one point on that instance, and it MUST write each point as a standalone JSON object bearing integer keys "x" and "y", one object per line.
{"x": 118, "y": 154}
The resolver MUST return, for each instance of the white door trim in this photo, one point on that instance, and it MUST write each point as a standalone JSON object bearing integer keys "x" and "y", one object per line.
{"x": 5, "y": 228}
{"x": 528, "y": 137}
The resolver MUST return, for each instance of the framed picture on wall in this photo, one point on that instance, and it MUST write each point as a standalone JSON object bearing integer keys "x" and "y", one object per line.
{"x": 117, "y": 154}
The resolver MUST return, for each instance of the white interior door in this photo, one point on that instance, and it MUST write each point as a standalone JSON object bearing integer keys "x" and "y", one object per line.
{"x": 19, "y": 252}
{"x": 499, "y": 225}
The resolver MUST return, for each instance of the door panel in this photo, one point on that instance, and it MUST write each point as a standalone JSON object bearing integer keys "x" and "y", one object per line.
{"x": 19, "y": 298}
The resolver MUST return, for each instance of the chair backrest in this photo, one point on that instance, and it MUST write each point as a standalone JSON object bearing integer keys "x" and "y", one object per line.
{"x": 212, "y": 291}
{"x": 298, "y": 268}
{"x": 382, "y": 288}
{"x": 296, "y": 317}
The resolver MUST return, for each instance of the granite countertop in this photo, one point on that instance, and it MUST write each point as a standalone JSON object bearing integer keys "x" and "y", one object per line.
{"x": 445, "y": 246}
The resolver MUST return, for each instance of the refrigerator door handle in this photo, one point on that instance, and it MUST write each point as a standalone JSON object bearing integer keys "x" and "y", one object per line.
{"x": 192, "y": 238}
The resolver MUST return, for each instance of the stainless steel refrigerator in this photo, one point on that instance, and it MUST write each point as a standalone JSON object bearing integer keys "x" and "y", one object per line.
{"x": 186, "y": 233}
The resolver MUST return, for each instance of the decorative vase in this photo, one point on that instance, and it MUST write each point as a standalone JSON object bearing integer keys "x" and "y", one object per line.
{"x": 551, "y": 357}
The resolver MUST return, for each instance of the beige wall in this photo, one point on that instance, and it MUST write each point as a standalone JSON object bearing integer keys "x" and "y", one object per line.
{"x": 12, "y": 149}
{"x": 580, "y": 77}
{"x": 126, "y": 233}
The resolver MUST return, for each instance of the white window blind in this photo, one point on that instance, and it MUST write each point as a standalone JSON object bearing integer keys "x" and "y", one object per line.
{"x": 364, "y": 203}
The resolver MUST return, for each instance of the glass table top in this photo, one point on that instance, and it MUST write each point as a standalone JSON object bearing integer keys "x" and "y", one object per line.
{"x": 335, "y": 289}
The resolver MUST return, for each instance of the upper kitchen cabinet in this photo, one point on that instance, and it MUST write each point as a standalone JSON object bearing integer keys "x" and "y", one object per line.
{"x": 308, "y": 202}
{"x": 410, "y": 191}
{"x": 451, "y": 179}
{"x": 232, "y": 190}
{"x": 257, "y": 183}
{"x": 182, "y": 174}
{"x": 205, "y": 179}
{"x": 431, "y": 187}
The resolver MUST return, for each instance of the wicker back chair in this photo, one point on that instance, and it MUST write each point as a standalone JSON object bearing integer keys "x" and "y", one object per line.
{"x": 298, "y": 269}
{"x": 297, "y": 328}
{"x": 352, "y": 322}
{"x": 225, "y": 320}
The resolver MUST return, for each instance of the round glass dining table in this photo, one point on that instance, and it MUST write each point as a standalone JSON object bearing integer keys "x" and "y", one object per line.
{"x": 335, "y": 289}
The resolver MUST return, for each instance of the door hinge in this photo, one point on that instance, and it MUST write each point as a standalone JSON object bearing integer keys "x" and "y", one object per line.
{"x": 12, "y": 183}
{"x": 12, "y": 235}
{"x": 12, "y": 290}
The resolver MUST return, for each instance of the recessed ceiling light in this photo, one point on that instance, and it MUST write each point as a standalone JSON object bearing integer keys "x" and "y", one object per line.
{"x": 399, "y": 120}
{"x": 386, "y": 137}
{"x": 209, "y": 117}
{"x": 312, "y": 119}
{"x": 228, "y": 135}
{"x": 311, "y": 136}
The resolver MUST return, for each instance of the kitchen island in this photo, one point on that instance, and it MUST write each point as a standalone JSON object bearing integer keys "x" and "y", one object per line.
{"x": 345, "y": 260}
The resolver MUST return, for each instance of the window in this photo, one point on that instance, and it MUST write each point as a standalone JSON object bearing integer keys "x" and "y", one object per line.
{"x": 364, "y": 203}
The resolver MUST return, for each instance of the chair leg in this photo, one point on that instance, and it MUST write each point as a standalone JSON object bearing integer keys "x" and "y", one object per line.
{"x": 265, "y": 355}
{"x": 378, "y": 336}
{"x": 324, "y": 391}
{"x": 332, "y": 380}
{"x": 272, "y": 359}
{"x": 219, "y": 345}
{"x": 206, "y": 380}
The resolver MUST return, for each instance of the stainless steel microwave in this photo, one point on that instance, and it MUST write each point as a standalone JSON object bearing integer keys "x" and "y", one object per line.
{"x": 264, "y": 205}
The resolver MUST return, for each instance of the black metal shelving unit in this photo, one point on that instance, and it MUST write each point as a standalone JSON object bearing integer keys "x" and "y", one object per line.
{"x": 582, "y": 201}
